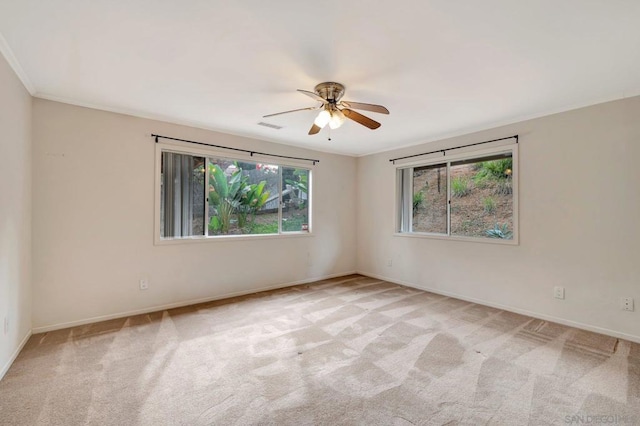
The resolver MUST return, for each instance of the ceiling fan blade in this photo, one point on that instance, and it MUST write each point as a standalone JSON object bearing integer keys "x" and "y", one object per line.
{"x": 313, "y": 95}
{"x": 293, "y": 110}
{"x": 359, "y": 118}
{"x": 314, "y": 129}
{"x": 367, "y": 107}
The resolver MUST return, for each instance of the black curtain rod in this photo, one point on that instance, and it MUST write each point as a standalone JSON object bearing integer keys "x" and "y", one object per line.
{"x": 443, "y": 151}
{"x": 235, "y": 149}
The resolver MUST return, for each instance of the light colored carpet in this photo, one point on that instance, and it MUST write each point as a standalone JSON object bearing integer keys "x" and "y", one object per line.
{"x": 345, "y": 351}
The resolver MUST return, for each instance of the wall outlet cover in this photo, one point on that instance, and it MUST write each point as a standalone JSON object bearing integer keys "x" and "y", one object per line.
{"x": 144, "y": 284}
{"x": 626, "y": 303}
{"x": 558, "y": 292}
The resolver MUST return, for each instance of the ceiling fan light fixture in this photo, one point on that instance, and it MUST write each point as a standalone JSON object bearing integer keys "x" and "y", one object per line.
{"x": 333, "y": 110}
{"x": 322, "y": 119}
{"x": 337, "y": 119}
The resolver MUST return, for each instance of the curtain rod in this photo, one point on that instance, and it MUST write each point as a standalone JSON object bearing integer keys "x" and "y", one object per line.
{"x": 250, "y": 152}
{"x": 443, "y": 151}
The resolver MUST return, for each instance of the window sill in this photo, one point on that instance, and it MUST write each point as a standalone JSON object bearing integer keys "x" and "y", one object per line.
{"x": 424, "y": 235}
{"x": 228, "y": 238}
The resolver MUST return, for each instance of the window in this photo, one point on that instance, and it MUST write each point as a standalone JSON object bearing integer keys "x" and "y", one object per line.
{"x": 202, "y": 196}
{"x": 469, "y": 196}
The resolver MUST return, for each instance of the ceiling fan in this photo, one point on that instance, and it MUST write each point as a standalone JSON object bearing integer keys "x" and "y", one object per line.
{"x": 333, "y": 110}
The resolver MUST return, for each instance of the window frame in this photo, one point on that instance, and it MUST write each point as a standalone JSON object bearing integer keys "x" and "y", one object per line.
{"x": 451, "y": 157}
{"x": 212, "y": 153}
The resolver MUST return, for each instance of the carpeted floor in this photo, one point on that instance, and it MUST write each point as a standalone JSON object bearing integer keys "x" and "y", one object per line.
{"x": 346, "y": 351}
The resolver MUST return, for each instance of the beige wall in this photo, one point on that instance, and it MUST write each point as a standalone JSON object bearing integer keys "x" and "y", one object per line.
{"x": 93, "y": 208}
{"x": 15, "y": 213}
{"x": 93, "y": 214}
{"x": 579, "y": 224}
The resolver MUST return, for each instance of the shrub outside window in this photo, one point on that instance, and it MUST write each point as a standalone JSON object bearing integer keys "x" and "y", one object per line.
{"x": 471, "y": 196}
{"x": 202, "y": 196}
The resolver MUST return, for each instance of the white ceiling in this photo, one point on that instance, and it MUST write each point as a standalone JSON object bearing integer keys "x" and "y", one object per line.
{"x": 441, "y": 67}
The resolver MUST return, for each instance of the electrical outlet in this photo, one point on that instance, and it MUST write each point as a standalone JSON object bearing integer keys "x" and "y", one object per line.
{"x": 626, "y": 303}
{"x": 6, "y": 325}
{"x": 390, "y": 262}
{"x": 144, "y": 284}
{"x": 558, "y": 292}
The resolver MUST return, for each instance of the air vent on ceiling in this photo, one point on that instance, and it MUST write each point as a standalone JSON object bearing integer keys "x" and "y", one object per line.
{"x": 272, "y": 126}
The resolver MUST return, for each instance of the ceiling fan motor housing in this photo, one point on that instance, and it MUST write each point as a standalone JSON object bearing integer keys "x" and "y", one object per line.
{"x": 330, "y": 91}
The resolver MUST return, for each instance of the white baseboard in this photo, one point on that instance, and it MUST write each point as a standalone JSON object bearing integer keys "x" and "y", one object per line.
{"x": 46, "y": 328}
{"x": 15, "y": 354}
{"x": 575, "y": 324}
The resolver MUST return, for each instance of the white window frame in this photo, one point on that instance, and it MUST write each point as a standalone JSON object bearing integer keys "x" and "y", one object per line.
{"x": 212, "y": 153}
{"x": 450, "y": 157}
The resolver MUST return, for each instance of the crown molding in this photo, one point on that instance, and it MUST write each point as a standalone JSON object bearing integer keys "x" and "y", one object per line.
{"x": 6, "y": 51}
{"x": 467, "y": 131}
{"x": 179, "y": 122}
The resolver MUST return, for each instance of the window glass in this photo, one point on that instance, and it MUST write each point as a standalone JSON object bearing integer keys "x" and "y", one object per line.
{"x": 243, "y": 198}
{"x": 295, "y": 197}
{"x": 239, "y": 198}
{"x": 258, "y": 209}
{"x": 482, "y": 198}
{"x": 182, "y": 195}
{"x": 429, "y": 199}
{"x": 472, "y": 197}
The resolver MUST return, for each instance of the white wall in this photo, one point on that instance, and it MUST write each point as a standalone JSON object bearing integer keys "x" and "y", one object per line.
{"x": 93, "y": 213}
{"x": 579, "y": 223}
{"x": 15, "y": 214}
{"x": 93, "y": 223}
